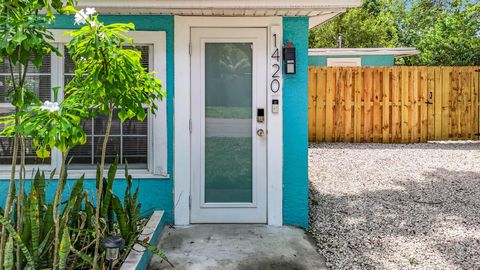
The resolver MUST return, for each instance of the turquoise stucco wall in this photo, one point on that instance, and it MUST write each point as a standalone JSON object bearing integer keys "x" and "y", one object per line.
{"x": 155, "y": 194}
{"x": 295, "y": 127}
{"x": 367, "y": 60}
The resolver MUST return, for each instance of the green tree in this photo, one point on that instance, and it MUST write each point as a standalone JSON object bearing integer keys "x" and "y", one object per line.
{"x": 447, "y": 32}
{"x": 370, "y": 26}
{"x": 109, "y": 78}
{"x": 23, "y": 41}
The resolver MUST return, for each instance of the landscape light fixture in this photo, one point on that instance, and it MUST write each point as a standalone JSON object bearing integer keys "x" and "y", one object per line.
{"x": 112, "y": 245}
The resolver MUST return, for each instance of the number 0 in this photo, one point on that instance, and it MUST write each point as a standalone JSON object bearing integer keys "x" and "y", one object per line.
{"x": 275, "y": 86}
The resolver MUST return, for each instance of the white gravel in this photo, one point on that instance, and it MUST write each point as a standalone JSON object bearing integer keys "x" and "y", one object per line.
{"x": 416, "y": 206}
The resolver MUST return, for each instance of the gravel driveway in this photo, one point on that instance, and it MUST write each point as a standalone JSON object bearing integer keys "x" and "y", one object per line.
{"x": 416, "y": 206}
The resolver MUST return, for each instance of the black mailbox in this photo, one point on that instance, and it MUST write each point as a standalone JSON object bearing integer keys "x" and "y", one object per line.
{"x": 289, "y": 56}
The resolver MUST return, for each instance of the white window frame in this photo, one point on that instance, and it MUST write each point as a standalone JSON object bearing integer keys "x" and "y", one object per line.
{"x": 157, "y": 124}
{"x": 5, "y": 169}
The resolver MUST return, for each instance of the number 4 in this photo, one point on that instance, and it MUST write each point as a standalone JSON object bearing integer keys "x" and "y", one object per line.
{"x": 276, "y": 55}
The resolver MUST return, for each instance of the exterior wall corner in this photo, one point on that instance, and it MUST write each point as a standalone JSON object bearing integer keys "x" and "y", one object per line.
{"x": 295, "y": 126}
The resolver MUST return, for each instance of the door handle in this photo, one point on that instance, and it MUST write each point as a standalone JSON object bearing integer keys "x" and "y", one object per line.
{"x": 260, "y": 132}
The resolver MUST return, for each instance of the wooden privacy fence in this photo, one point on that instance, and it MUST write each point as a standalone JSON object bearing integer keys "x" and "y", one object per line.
{"x": 393, "y": 104}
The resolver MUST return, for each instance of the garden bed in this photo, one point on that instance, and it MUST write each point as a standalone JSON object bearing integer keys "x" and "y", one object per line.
{"x": 375, "y": 206}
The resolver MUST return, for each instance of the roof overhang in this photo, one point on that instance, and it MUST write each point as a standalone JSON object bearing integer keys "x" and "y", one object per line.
{"x": 396, "y": 52}
{"x": 318, "y": 10}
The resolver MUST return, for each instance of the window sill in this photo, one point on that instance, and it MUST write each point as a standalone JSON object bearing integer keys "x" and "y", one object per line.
{"x": 91, "y": 174}
{"x": 136, "y": 174}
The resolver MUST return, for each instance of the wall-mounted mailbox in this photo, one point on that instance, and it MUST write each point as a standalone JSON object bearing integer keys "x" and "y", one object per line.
{"x": 289, "y": 56}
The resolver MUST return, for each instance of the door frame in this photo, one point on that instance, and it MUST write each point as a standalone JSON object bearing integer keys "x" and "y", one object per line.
{"x": 182, "y": 150}
{"x": 228, "y": 212}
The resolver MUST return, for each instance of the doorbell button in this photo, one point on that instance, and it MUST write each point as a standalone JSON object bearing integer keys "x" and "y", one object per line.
{"x": 275, "y": 106}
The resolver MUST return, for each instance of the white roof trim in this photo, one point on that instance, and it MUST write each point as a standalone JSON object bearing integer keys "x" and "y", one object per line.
{"x": 308, "y": 8}
{"x": 397, "y": 52}
{"x": 223, "y": 4}
{"x": 317, "y": 20}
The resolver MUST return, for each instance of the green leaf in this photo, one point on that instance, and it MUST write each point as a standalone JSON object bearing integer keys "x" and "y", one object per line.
{"x": 121, "y": 217}
{"x": 18, "y": 240}
{"x": 34, "y": 216}
{"x": 83, "y": 256}
{"x": 64, "y": 250}
{"x": 27, "y": 232}
{"x": 48, "y": 220}
{"x": 75, "y": 195}
{"x": 46, "y": 242}
{"x": 90, "y": 209}
{"x": 83, "y": 139}
{"x": 135, "y": 206}
{"x": 39, "y": 185}
{"x": 9, "y": 254}
{"x": 155, "y": 251}
{"x": 42, "y": 152}
{"x": 37, "y": 60}
{"x": 108, "y": 188}
{"x": 69, "y": 10}
{"x": 19, "y": 37}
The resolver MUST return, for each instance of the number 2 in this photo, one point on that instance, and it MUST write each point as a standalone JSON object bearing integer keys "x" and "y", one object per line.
{"x": 277, "y": 67}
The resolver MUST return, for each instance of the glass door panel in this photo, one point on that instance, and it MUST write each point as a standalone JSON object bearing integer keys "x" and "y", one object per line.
{"x": 228, "y": 123}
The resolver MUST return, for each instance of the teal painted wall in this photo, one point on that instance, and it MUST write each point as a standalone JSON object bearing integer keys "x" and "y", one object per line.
{"x": 367, "y": 60}
{"x": 155, "y": 194}
{"x": 295, "y": 127}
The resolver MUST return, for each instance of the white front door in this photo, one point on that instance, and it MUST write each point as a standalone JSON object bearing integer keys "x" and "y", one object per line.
{"x": 228, "y": 134}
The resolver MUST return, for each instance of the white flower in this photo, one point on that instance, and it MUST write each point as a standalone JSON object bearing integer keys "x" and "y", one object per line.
{"x": 90, "y": 11}
{"x": 102, "y": 35}
{"x": 80, "y": 17}
{"x": 94, "y": 24}
{"x": 50, "y": 106}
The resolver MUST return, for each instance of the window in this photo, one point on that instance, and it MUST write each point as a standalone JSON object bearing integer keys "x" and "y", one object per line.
{"x": 128, "y": 141}
{"x": 38, "y": 80}
{"x": 143, "y": 144}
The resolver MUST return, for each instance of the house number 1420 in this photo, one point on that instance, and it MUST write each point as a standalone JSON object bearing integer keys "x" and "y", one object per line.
{"x": 275, "y": 68}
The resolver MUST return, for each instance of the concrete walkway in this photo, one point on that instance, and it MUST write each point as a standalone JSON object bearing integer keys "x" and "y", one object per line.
{"x": 242, "y": 247}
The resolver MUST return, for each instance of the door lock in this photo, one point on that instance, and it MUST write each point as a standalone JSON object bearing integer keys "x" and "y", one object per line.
{"x": 260, "y": 132}
{"x": 260, "y": 115}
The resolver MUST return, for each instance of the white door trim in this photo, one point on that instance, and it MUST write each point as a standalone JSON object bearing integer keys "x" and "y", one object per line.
{"x": 182, "y": 156}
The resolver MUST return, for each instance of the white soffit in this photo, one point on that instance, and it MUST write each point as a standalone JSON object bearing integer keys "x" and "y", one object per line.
{"x": 319, "y": 10}
{"x": 397, "y": 52}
